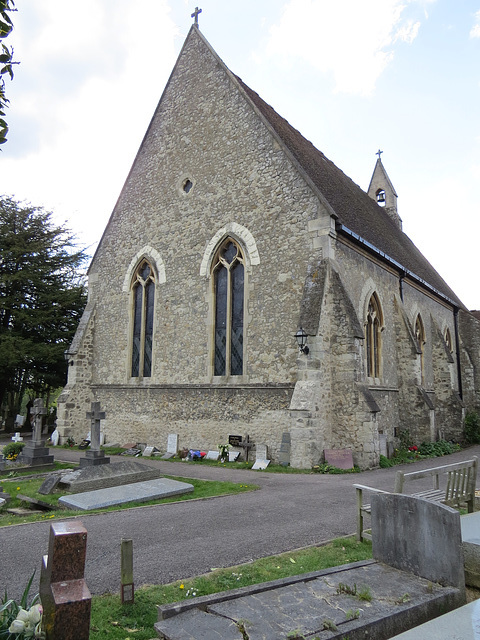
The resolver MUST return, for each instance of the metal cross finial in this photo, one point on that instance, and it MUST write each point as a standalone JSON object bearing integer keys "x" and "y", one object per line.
{"x": 195, "y": 15}
{"x": 379, "y": 153}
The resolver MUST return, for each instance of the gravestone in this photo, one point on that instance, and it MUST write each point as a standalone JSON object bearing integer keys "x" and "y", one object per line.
{"x": 285, "y": 448}
{"x": 212, "y": 455}
{"x": 233, "y": 456}
{"x": 17, "y": 437}
{"x": 149, "y": 451}
{"x": 94, "y": 456}
{"x": 340, "y": 458}
{"x": 136, "y": 492}
{"x": 172, "y": 446}
{"x": 172, "y": 443}
{"x": 261, "y": 452}
{"x": 35, "y": 453}
{"x": 49, "y": 484}
{"x": 108, "y": 475}
{"x": 64, "y": 594}
{"x": 420, "y": 537}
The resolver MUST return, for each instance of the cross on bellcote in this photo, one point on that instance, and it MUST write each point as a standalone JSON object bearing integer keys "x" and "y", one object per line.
{"x": 195, "y": 15}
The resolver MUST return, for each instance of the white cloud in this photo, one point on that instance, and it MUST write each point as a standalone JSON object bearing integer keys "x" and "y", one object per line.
{"x": 84, "y": 71}
{"x": 475, "y": 31}
{"x": 351, "y": 40}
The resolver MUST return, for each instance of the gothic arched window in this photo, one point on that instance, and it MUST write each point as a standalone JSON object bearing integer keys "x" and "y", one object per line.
{"x": 143, "y": 290}
{"x": 228, "y": 280}
{"x": 420, "y": 336}
{"x": 448, "y": 340}
{"x": 373, "y": 328}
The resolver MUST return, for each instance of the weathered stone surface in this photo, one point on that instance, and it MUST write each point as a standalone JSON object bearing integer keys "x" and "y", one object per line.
{"x": 50, "y": 483}
{"x": 41, "y": 504}
{"x": 271, "y": 611}
{"x": 299, "y": 266}
{"x": 111, "y": 475}
{"x": 136, "y": 492}
{"x": 461, "y": 624}
{"x": 419, "y": 536}
{"x": 470, "y": 526}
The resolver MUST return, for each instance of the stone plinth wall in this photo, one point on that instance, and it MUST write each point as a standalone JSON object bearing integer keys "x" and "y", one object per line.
{"x": 202, "y": 416}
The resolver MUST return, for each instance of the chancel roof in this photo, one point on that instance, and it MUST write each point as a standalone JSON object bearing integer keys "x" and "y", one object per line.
{"x": 356, "y": 211}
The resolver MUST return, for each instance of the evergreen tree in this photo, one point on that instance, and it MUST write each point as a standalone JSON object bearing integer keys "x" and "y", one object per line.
{"x": 42, "y": 296}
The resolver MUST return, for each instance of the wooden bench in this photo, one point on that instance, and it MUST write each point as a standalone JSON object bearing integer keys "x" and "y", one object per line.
{"x": 459, "y": 489}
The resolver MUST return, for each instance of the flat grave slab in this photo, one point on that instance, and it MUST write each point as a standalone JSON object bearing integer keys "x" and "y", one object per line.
{"x": 40, "y": 504}
{"x": 316, "y": 605}
{"x": 134, "y": 492}
{"x": 461, "y": 624}
{"x": 260, "y": 464}
{"x": 108, "y": 475}
{"x": 21, "y": 511}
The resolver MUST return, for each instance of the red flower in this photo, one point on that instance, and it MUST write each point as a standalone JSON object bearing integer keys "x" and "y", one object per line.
{"x": 413, "y": 448}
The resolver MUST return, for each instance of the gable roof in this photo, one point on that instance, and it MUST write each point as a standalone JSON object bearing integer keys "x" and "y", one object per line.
{"x": 358, "y": 215}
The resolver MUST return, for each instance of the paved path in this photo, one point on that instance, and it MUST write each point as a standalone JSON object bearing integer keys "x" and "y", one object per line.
{"x": 180, "y": 540}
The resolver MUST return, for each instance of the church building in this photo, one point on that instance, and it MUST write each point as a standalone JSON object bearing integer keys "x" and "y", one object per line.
{"x": 233, "y": 237}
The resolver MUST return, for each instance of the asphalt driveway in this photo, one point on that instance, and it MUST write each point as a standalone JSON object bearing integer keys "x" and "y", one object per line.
{"x": 180, "y": 540}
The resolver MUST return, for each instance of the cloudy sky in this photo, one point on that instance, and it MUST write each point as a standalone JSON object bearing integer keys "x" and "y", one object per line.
{"x": 353, "y": 77}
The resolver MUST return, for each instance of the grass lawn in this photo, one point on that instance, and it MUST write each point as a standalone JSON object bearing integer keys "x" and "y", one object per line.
{"x": 110, "y": 619}
{"x": 29, "y": 487}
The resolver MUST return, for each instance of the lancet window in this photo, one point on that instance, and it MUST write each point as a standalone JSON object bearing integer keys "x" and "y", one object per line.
{"x": 373, "y": 328}
{"x": 228, "y": 269}
{"x": 448, "y": 340}
{"x": 143, "y": 294}
{"x": 420, "y": 336}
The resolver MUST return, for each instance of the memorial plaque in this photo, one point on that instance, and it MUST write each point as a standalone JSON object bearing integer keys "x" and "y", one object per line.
{"x": 261, "y": 452}
{"x": 147, "y": 452}
{"x": 235, "y": 441}
{"x": 340, "y": 458}
{"x": 233, "y": 455}
{"x": 260, "y": 464}
{"x": 212, "y": 455}
{"x": 172, "y": 443}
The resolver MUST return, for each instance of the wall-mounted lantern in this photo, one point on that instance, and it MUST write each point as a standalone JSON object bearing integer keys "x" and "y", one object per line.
{"x": 301, "y": 338}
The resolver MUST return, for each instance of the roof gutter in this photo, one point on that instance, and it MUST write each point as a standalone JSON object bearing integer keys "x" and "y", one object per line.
{"x": 404, "y": 271}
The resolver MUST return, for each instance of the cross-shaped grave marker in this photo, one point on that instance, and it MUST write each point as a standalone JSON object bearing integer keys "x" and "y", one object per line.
{"x": 35, "y": 452}
{"x": 38, "y": 412}
{"x": 94, "y": 455}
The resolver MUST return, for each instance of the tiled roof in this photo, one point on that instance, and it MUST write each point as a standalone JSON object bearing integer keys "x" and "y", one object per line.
{"x": 355, "y": 209}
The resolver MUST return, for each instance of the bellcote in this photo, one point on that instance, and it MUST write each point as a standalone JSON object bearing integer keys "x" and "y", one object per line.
{"x": 382, "y": 191}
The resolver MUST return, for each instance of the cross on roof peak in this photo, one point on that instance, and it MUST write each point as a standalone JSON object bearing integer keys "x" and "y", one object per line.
{"x": 195, "y": 15}
{"x": 379, "y": 153}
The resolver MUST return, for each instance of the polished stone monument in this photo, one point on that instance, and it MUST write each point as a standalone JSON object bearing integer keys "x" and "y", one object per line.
{"x": 64, "y": 595}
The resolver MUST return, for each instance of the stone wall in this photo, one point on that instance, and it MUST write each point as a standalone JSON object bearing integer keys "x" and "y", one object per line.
{"x": 298, "y": 271}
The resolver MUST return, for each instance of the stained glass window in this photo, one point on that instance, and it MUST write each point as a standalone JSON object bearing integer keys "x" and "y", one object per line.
{"x": 373, "y": 327}
{"x": 420, "y": 336}
{"x": 228, "y": 272}
{"x": 143, "y": 306}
